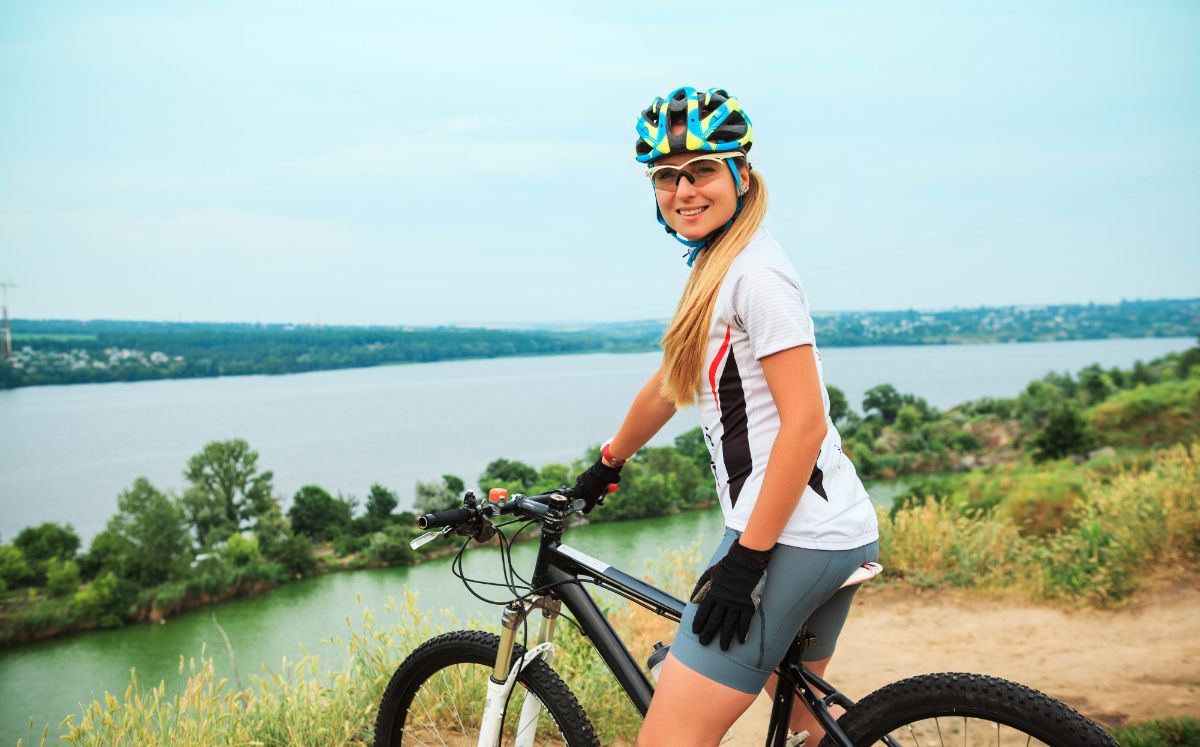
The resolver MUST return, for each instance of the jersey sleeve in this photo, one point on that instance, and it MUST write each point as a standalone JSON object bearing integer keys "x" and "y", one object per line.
{"x": 770, "y": 305}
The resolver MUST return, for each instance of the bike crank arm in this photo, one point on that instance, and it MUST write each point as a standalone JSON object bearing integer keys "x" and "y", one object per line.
{"x": 497, "y": 697}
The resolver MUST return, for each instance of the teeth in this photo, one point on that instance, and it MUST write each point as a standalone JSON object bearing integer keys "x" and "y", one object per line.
{"x": 692, "y": 211}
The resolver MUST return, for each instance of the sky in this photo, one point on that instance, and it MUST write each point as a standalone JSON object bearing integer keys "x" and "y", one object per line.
{"x": 400, "y": 163}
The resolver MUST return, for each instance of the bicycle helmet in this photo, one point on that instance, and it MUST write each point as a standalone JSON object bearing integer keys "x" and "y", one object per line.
{"x": 713, "y": 122}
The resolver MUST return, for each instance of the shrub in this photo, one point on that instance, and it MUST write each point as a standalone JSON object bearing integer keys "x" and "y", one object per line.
{"x": 240, "y": 550}
{"x": 101, "y": 600}
{"x": 390, "y": 547}
{"x": 14, "y": 571}
{"x": 1064, "y": 434}
{"x": 318, "y": 515}
{"x": 1157, "y": 415}
{"x": 62, "y": 577}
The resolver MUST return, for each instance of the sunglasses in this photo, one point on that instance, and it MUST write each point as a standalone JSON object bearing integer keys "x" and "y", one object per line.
{"x": 699, "y": 171}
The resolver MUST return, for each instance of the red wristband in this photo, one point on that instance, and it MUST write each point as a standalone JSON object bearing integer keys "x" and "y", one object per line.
{"x": 607, "y": 455}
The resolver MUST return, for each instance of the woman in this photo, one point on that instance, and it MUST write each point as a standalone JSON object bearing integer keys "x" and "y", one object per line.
{"x": 741, "y": 345}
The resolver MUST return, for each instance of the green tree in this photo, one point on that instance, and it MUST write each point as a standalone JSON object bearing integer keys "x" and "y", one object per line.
{"x": 1095, "y": 384}
{"x": 103, "y": 600}
{"x": 661, "y": 481}
{"x": 516, "y": 476}
{"x": 691, "y": 446}
{"x": 1188, "y": 360}
{"x": 431, "y": 496}
{"x": 109, "y": 551}
{"x": 390, "y": 547}
{"x": 381, "y": 502}
{"x": 318, "y": 515}
{"x": 296, "y": 555}
{"x": 146, "y": 541}
{"x": 553, "y": 476}
{"x": 240, "y": 551}
{"x": 884, "y": 400}
{"x": 1065, "y": 433}
{"x": 839, "y": 406}
{"x": 14, "y": 571}
{"x": 908, "y": 418}
{"x": 225, "y": 489}
{"x": 62, "y": 577}
{"x": 46, "y": 542}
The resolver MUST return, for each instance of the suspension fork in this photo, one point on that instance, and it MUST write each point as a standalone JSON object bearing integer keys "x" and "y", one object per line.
{"x": 505, "y": 672}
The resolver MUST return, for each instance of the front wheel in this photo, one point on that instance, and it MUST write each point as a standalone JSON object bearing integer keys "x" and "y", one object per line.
{"x": 436, "y": 698}
{"x": 952, "y": 708}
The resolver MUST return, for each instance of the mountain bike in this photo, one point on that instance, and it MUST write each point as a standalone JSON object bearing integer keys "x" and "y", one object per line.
{"x": 472, "y": 687}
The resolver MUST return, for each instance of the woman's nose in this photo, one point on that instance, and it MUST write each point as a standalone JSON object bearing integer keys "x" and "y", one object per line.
{"x": 684, "y": 187}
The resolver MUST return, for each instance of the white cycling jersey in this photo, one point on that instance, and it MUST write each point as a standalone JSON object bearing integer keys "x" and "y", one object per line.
{"x": 761, "y": 309}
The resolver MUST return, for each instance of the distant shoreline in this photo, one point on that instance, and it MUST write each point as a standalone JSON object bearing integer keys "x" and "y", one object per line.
{"x": 143, "y": 377}
{"x": 49, "y": 352}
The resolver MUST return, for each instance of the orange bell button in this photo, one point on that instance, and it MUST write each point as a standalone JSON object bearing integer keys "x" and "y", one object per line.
{"x": 495, "y": 495}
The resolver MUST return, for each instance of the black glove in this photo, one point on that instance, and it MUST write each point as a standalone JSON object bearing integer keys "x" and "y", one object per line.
{"x": 592, "y": 484}
{"x": 729, "y": 593}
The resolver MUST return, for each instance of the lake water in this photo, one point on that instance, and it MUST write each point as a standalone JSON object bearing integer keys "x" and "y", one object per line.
{"x": 67, "y": 451}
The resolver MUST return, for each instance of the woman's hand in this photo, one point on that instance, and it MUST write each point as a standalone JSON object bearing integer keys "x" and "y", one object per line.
{"x": 729, "y": 593}
{"x": 592, "y": 484}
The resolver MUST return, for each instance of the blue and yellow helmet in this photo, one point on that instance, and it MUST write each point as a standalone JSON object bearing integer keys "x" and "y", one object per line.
{"x": 713, "y": 123}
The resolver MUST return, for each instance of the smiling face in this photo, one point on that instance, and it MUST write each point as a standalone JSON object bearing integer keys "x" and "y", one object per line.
{"x": 695, "y": 211}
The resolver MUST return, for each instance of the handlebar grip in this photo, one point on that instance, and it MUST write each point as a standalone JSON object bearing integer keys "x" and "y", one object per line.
{"x": 449, "y": 517}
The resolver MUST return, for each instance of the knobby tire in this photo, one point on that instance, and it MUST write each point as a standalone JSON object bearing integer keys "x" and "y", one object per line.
{"x": 929, "y": 709}
{"x": 423, "y": 676}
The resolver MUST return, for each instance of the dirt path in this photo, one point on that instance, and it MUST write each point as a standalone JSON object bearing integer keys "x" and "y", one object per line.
{"x": 1114, "y": 667}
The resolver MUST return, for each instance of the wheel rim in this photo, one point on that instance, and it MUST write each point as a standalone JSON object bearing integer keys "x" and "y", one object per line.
{"x": 959, "y": 731}
{"x": 447, "y": 708}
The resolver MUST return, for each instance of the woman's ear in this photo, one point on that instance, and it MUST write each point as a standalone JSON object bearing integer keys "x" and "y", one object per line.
{"x": 744, "y": 174}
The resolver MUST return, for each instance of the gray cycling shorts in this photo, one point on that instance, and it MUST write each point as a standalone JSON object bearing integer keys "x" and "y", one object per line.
{"x": 802, "y": 587}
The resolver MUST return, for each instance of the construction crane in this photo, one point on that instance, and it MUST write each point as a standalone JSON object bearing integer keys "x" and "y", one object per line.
{"x": 5, "y": 331}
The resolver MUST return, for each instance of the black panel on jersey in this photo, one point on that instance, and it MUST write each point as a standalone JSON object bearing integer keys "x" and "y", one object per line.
{"x": 816, "y": 480}
{"x": 735, "y": 440}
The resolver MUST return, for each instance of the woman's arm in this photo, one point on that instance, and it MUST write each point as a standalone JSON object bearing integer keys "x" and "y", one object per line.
{"x": 646, "y": 417}
{"x": 792, "y": 378}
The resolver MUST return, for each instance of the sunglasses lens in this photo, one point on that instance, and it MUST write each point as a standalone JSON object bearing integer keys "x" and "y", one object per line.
{"x": 665, "y": 178}
{"x": 704, "y": 172}
{"x": 698, "y": 171}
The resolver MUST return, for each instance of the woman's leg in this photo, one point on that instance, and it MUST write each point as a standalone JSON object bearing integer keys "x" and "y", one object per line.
{"x": 690, "y": 709}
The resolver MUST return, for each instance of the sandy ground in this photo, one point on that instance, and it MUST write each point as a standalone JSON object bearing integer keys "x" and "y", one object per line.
{"x": 1115, "y": 667}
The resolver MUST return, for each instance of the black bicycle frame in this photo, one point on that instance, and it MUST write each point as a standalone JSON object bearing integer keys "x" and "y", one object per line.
{"x": 562, "y": 568}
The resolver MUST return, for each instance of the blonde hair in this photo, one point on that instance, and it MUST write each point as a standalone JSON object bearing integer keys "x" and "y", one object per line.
{"x": 686, "y": 338}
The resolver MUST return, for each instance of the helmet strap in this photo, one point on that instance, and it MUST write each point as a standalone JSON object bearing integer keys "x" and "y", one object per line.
{"x": 701, "y": 244}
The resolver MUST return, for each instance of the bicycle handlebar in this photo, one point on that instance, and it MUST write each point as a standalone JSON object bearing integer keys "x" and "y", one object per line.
{"x": 530, "y": 506}
{"x": 453, "y": 516}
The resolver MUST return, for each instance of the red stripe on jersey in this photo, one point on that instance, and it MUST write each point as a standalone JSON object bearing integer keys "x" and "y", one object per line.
{"x": 712, "y": 369}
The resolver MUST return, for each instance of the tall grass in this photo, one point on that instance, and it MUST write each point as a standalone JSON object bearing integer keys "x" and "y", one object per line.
{"x": 1119, "y": 526}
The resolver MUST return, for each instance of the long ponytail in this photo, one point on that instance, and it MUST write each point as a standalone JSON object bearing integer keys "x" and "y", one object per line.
{"x": 686, "y": 338}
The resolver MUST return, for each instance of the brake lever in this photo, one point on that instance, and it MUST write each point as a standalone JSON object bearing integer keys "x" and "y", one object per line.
{"x": 428, "y": 537}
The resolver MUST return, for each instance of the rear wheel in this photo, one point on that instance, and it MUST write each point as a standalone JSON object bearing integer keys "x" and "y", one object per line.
{"x": 436, "y": 698}
{"x": 974, "y": 710}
